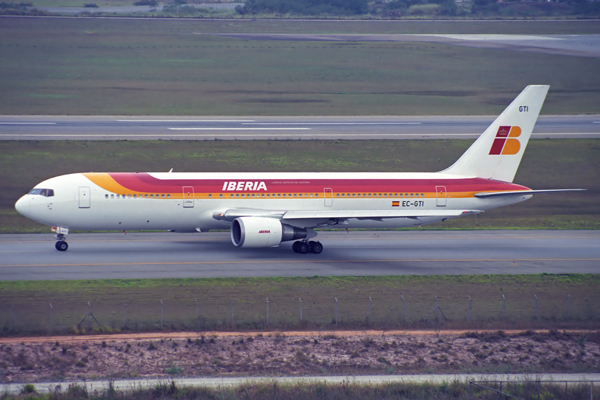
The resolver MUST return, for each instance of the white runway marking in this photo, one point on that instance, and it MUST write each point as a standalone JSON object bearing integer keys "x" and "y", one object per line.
{"x": 332, "y": 123}
{"x": 27, "y": 123}
{"x": 185, "y": 120}
{"x": 491, "y": 37}
{"x": 239, "y": 129}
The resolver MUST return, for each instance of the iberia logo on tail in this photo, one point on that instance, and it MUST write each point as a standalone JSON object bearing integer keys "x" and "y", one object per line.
{"x": 505, "y": 142}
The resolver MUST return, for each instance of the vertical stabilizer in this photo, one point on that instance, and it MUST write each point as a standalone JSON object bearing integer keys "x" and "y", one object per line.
{"x": 497, "y": 153}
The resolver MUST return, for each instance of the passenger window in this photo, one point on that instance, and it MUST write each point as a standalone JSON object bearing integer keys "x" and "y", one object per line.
{"x": 221, "y": 195}
{"x": 210, "y": 195}
{"x": 106, "y": 196}
{"x": 169, "y": 195}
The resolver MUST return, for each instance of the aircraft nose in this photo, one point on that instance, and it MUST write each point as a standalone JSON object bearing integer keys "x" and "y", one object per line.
{"x": 22, "y": 206}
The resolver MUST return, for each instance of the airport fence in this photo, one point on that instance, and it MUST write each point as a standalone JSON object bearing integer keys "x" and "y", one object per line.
{"x": 69, "y": 314}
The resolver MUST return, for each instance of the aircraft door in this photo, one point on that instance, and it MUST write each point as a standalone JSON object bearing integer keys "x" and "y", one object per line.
{"x": 188, "y": 197}
{"x": 441, "y": 195}
{"x": 84, "y": 197}
{"x": 328, "y": 194}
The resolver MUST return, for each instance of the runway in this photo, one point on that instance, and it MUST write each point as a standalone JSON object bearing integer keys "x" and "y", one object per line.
{"x": 278, "y": 128}
{"x": 357, "y": 253}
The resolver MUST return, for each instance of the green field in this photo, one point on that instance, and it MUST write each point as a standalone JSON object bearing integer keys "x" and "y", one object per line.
{"x": 171, "y": 67}
{"x": 547, "y": 164}
{"x": 215, "y": 297}
{"x": 255, "y": 390}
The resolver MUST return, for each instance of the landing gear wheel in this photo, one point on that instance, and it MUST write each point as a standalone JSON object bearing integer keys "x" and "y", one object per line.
{"x": 61, "y": 245}
{"x": 301, "y": 247}
{"x": 315, "y": 247}
{"x": 295, "y": 247}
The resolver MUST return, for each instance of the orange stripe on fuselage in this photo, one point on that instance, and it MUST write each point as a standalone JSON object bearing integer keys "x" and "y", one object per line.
{"x": 106, "y": 182}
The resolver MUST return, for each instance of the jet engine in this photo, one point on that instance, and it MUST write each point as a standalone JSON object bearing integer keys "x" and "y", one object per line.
{"x": 263, "y": 232}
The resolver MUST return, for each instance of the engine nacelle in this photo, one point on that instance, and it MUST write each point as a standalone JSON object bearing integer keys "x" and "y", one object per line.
{"x": 263, "y": 232}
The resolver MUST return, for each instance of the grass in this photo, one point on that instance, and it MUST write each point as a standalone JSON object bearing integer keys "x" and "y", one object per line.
{"x": 319, "y": 390}
{"x": 547, "y": 164}
{"x": 163, "y": 67}
{"x": 215, "y": 296}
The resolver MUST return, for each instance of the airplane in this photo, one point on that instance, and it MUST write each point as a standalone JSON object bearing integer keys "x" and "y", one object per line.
{"x": 266, "y": 209}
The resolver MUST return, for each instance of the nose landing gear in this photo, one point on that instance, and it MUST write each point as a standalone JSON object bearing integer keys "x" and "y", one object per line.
{"x": 61, "y": 245}
{"x": 61, "y": 238}
{"x": 303, "y": 247}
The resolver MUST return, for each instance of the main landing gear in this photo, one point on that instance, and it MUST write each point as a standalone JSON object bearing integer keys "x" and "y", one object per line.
{"x": 303, "y": 247}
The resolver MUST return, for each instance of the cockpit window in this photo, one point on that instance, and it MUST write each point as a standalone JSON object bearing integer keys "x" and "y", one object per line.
{"x": 43, "y": 192}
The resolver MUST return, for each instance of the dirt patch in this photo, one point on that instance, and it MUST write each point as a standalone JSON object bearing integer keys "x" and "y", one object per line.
{"x": 255, "y": 354}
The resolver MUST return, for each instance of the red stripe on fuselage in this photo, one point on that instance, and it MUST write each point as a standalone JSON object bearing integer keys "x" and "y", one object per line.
{"x": 145, "y": 183}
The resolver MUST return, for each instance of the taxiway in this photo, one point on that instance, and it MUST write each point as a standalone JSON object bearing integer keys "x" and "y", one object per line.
{"x": 279, "y": 128}
{"x": 357, "y": 253}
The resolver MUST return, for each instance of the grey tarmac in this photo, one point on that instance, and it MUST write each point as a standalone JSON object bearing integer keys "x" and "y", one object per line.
{"x": 354, "y": 253}
{"x": 39, "y": 127}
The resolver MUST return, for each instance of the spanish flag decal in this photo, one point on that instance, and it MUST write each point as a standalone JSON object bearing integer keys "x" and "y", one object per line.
{"x": 395, "y": 204}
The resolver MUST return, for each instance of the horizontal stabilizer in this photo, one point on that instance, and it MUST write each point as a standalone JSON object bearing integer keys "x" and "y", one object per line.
{"x": 524, "y": 192}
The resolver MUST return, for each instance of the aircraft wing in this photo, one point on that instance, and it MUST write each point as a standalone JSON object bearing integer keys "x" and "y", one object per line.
{"x": 524, "y": 192}
{"x": 234, "y": 213}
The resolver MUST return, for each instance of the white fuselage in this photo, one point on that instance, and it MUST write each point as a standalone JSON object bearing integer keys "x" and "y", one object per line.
{"x": 188, "y": 201}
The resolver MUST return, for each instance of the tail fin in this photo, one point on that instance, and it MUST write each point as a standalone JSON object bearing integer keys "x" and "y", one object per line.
{"x": 497, "y": 153}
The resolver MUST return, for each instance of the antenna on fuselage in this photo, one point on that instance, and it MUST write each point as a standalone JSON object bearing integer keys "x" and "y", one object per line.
{"x": 171, "y": 170}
